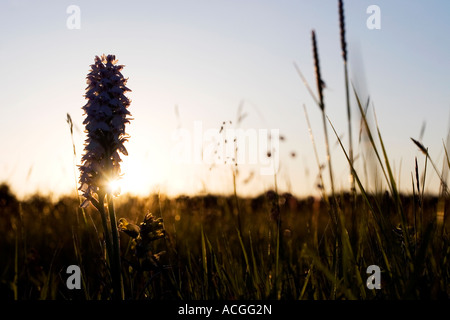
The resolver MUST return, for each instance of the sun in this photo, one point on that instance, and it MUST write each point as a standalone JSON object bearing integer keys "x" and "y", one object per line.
{"x": 114, "y": 186}
{"x": 134, "y": 177}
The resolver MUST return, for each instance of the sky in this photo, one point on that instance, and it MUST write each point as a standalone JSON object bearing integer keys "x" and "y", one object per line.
{"x": 194, "y": 65}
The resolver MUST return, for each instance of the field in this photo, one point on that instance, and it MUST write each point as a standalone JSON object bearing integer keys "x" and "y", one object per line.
{"x": 206, "y": 257}
{"x": 351, "y": 244}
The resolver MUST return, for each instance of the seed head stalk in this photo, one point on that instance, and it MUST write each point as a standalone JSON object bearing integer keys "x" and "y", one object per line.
{"x": 347, "y": 90}
{"x": 349, "y": 117}
{"x": 320, "y": 86}
{"x": 334, "y": 205}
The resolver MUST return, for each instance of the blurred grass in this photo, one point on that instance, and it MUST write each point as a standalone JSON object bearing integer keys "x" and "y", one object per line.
{"x": 206, "y": 257}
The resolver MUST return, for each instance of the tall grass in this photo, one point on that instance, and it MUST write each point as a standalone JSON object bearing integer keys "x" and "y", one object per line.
{"x": 281, "y": 246}
{"x": 203, "y": 256}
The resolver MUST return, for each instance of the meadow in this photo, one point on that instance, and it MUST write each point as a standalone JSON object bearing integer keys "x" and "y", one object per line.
{"x": 204, "y": 256}
{"x": 275, "y": 246}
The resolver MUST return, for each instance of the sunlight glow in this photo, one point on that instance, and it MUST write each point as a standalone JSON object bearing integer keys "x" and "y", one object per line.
{"x": 114, "y": 187}
{"x": 135, "y": 176}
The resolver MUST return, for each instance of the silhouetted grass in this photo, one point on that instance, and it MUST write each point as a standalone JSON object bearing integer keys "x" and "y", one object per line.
{"x": 207, "y": 258}
{"x": 274, "y": 246}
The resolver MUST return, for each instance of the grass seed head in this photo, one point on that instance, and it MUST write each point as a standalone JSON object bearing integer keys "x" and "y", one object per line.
{"x": 320, "y": 83}
{"x": 342, "y": 30}
{"x": 421, "y": 146}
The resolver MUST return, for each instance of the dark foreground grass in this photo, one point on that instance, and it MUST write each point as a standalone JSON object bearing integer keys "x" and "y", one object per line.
{"x": 204, "y": 256}
{"x": 274, "y": 246}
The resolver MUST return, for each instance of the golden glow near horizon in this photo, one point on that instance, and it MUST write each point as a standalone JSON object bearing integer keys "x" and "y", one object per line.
{"x": 207, "y": 59}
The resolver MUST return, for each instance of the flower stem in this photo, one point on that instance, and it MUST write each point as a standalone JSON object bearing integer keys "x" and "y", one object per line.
{"x": 106, "y": 232}
{"x": 115, "y": 263}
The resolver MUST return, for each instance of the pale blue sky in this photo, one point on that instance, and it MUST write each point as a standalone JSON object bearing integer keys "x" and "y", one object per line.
{"x": 206, "y": 57}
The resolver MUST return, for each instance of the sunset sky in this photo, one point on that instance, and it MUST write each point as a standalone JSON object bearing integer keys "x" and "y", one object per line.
{"x": 191, "y": 64}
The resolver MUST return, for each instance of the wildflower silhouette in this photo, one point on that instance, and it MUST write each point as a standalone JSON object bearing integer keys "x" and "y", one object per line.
{"x": 149, "y": 230}
{"x": 106, "y": 116}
